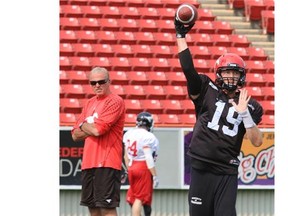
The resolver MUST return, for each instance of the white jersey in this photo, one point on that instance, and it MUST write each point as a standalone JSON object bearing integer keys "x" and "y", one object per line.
{"x": 136, "y": 139}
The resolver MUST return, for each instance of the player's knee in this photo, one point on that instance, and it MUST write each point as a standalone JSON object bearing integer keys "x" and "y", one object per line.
{"x": 147, "y": 210}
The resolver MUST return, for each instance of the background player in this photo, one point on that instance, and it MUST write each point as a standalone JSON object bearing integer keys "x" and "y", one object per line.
{"x": 141, "y": 147}
{"x": 101, "y": 124}
{"x": 225, "y": 113}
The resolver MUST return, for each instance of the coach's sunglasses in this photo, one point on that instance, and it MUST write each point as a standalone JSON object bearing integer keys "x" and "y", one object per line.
{"x": 100, "y": 82}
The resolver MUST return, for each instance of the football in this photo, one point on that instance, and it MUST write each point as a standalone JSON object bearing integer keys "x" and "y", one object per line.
{"x": 187, "y": 13}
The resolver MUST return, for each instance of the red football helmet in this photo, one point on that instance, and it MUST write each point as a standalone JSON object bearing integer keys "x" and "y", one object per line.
{"x": 230, "y": 61}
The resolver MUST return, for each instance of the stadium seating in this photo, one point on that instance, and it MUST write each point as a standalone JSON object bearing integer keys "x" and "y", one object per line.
{"x": 267, "y": 121}
{"x": 137, "y": 78}
{"x": 239, "y": 40}
{"x": 66, "y": 49}
{"x": 255, "y": 79}
{"x": 71, "y": 11}
{"x": 91, "y": 11}
{"x": 268, "y": 21}
{"x": 221, "y": 40}
{"x": 129, "y": 13}
{"x": 253, "y": 9}
{"x": 152, "y": 105}
{"x": 217, "y": 51}
{"x": 256, "y": 53}
{"x": 176, "y": 78}
{"x": 77, "y": 77}
{"x": 69, "y": 23}
{"x": 109, "y": 24}
{"x": 120, "y": 63}
{"x": 68, "y": 36}
{"x": 64, "y": 63}
{"x": 63, "y": 79}
{"x": 142, "y": 50}
{"x": 148, "y": 13}
{"x": 118, "y": 78}
{"x": 67, "y": 119}
{"x": 157, "y": 78}
{"x": 187, "y": 119}
{"x": 80, "y": 63}
{"x": 89, "y": 23}
{"x": 122, "y": 50}
{"x": 188, "y": 106}
{"x": 241, "y": 51}
{"x": 156, "y": 92}
{"x": 200, "y": 52}
{"x": 133, "y": 106}
{"x": 169, "y": 119}
{"x": 222, "y": 27}
{"x": 84, "y": 49}
{"x": 70, "y": 105}
{"x": 73, "y": 91}
{"x": 268, "y": 106}
{"x": 171, "y": 106}
{"x": 134, "y": 92}
{"x": 128, "y": 25}
{"x": 103, "y": 50}
{"x": 124, "y": 38}
{"x": 175, "y": 92}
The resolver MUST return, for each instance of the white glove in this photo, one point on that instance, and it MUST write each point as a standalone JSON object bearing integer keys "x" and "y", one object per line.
{"x": 155, "y": 181}
{"x": 90, "y": 119}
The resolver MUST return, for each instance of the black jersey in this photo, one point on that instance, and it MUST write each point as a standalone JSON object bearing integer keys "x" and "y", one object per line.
{"x": 219, "y": 129}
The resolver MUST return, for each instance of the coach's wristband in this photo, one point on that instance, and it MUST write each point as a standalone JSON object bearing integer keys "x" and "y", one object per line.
{"x": 247, "y": 119}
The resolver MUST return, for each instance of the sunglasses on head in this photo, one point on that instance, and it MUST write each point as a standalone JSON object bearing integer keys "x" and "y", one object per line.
{"x": 100, "y": 82}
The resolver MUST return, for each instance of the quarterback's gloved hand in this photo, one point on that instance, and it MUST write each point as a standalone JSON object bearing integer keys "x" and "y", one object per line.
{"x": 155, "y": 181}
{"x": 181, "y": 29}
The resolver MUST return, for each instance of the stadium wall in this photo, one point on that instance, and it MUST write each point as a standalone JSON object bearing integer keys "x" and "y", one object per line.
{"x": 174, "y": 203}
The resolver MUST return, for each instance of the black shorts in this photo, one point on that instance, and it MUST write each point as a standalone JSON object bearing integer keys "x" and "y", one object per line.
{"x": 212, "y": 194}
{"x": 101, "y": 188}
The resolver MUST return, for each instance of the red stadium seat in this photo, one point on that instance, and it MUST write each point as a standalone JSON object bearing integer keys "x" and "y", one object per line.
{"x": 176, "y": 92}
{"x": 63, "y": 77}
{"x": 241, "y": 51}
{"x": 142, "y": 50}
{"x": 97, "y": 2}
{"x": 140, "y": 64}
{"x": 166, "y": 13}
{"x": 268, "y": 21}
{"x": 77, "y": 77}
{"x": 269, "y": 65}
{"x": 129, "y": 12}
{"x": 86, "y": 36}
{"x": 187, "y": 119}
{"x": 270, "y": 4}
{"x": 267, "y": 121}
{"x": 200, "y": 52}
{"x": 118, "y": 3}
{"x": 268, "y": 106}
{"x": 217, "y": 51}
{"x": 110, "y": 12}
{"x": 118, "y": 89}
{"x": 268, "y": 92}
{"x": 108, "y": 24}
{"x": 134, "y": 92}
{"x": 71, "y": 10}
{"x": 83, "y": 49}
{"x": 164, "y": 38}
{"x": 120, "y": 63}
{"x": 175, "y": 3}
{"x": 105, "y": 37}
{"x": 69, "y": 23}
{"x": 255, "y": 66}
{"x": 239, "y": 40}
{"x": 122, "y": 50}
{"x": 255, "y": 92}
{"x": 66, "y": 49}
{"x": 88, "y": 91}
{"x": 135, "y": 3}
{"x": 221, "y": 40}
{"x": 148, "y": 13}
{"x": 137, "y": 78}
{"x": 118, "y": 78}
{"x": 128, "y": 25}
{"x": 153, "y": 106}
{"x": 161, "y": 51}
{"x": 65, "y": 63}
{"x": 255, "y": 79}
{"x": 256, "y": 53}
{"x": 130, "y": 119}
{"x": 73, "y": 91}
{"x": 253, "y": 9}
{"x": 165, "y": 25}
{"x": 155, "y": 92}
{"x": 67, "y": 119}
{"x": 205, "y": 14}
{"x": 91, "y": 11}
{"x": 188, "y": 106}
{"x": 222, "y": 27}
{"x": 199, "y": 39}
{"x": 171, "y": 106}
{"x": 159, "y": 64}
{"x": 80, "y": 63}
{"x": 269, "y": 79}
{"x": 203, "y": 27}
{"x": 176, "y": 78}
{"x": 100, "y": 62}
{"x": 133, "y": 106}
{"x": 89, "y": 24}
{"x": 201, "y": 65}
{"x": 144, "y": 38}
{"x": 68, "y": 36}
{"x": 174, "y": 64}
{"x": 157, "y": 78}
{"x": 70, "y": 105}
{"x": 169, "y": 119}
{"x": 103, "y": 50}
{"x": 125, "y": 38}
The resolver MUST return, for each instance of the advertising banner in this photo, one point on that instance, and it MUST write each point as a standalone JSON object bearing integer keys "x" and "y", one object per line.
{"x": 256, "y": 169}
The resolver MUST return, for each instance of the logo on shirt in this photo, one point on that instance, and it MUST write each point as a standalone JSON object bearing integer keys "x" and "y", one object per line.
{"x": 196, "y": 200}
{"x": 108, "y": 200}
